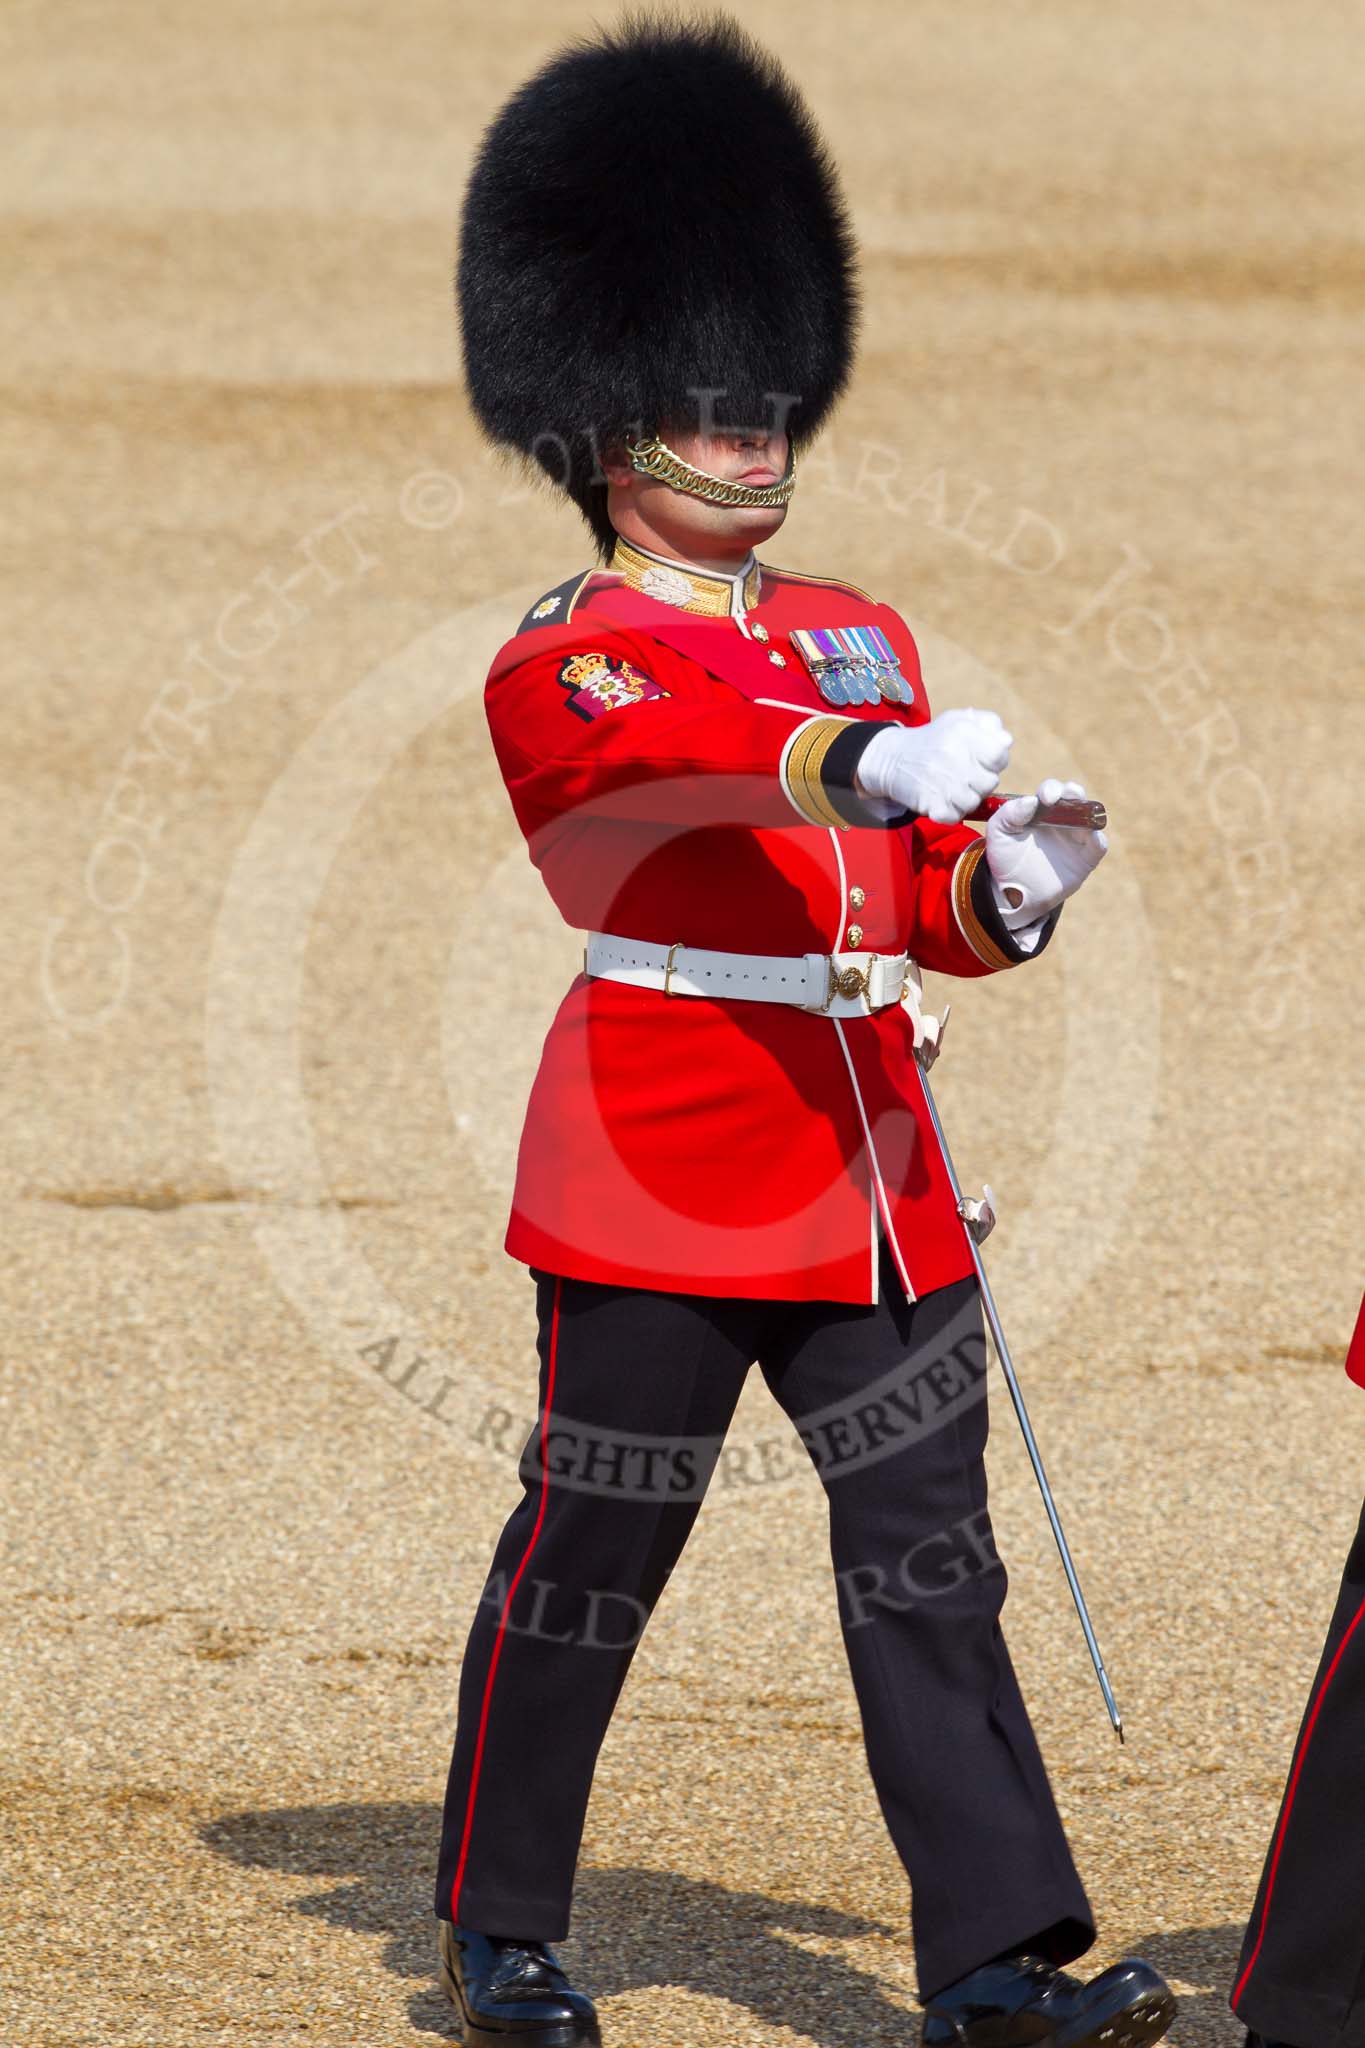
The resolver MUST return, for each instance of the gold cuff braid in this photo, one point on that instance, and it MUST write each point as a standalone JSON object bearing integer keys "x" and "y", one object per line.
{"x": 654, "y": 457}
{"x": 975, "y": 933}
{"x": 805, "y": 758}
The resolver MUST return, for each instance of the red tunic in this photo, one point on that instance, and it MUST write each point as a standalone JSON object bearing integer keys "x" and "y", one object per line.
{"x": 667, "y": 772}
{"x": 1355, "y": 1356}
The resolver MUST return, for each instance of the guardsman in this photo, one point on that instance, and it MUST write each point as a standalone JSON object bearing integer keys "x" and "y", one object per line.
{"x": 730, "y": 780}
{"x": 1301, "y": 1976}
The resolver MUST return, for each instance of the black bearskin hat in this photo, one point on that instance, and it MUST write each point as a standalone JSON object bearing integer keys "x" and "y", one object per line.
{"x": 651, "y": 217}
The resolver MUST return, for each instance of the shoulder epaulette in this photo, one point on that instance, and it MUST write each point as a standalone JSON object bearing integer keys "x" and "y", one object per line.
{"x": 557, "y": 605}
{"x": 824, "y": 582}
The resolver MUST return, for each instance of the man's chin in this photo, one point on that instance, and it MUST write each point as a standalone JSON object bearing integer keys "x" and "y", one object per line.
{"x": 752, "y": 524}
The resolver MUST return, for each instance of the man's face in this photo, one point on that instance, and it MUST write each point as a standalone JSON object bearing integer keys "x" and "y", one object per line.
{"x": 680, "y": 524}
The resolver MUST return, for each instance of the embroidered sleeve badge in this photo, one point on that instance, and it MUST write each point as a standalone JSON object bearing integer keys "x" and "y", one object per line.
{"x": 603, "y": 682}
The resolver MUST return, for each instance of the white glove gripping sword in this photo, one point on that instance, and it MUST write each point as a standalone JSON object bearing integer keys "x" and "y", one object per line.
{"x": 977, "y": 1220}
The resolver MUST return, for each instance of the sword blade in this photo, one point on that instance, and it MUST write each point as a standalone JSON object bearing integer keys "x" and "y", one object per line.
{"x": 1002, "y": 1352}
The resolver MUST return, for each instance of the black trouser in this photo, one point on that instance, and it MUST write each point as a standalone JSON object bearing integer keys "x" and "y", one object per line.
{"x": 1301, "y": 1977}
{"x": 637, "y": 1389}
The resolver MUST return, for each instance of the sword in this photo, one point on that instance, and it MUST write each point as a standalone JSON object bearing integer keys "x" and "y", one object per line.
{"x": 1002, "y": 1352}
{"x": 1084, "y": 813}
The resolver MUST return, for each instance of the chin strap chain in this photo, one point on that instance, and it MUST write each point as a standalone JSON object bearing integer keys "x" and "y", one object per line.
{"x": 655, "y": 458}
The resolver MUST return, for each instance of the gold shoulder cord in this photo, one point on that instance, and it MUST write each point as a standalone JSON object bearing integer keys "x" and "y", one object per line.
{"x": 655, "y": 458}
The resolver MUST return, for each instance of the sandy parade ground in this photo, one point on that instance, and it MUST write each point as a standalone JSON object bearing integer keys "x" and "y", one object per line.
{"x": 280, "y": 972}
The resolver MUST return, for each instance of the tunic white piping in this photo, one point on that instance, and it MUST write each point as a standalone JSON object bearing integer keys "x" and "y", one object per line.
{"x": 883, "y": 1203}
{"x": 880, "y": 1201}
{"x": 843, "y": 890}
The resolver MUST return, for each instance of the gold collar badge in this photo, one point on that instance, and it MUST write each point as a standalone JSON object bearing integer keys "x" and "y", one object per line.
{"x": 690, "y": 590}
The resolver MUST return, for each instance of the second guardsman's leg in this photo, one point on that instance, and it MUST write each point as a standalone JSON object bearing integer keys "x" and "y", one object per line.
{"x": 1301, "y": 1977}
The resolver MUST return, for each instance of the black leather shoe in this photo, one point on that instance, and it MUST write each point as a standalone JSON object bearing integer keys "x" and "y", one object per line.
{"x": 513, "y": 1992}
{"x": 1022, "y": 2000}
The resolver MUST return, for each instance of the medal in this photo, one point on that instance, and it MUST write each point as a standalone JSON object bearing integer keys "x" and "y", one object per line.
{"x": 852, "y": 664}
{"x": 882, "y": 666}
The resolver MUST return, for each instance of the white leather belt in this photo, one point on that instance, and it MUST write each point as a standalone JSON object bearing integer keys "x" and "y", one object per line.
{"x": 829, "y": 984}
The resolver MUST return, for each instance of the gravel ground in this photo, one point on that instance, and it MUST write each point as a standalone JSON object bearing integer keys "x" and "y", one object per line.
{"x": 261, "y": 1103}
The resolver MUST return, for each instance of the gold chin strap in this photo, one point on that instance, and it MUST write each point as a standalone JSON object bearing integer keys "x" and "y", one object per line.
{"x": 655, "y": 458}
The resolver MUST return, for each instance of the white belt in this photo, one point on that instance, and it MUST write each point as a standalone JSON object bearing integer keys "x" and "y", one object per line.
{"x": 830, "y": 984}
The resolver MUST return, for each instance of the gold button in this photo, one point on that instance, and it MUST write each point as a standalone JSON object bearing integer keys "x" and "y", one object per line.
{"x": 760, "y": 633}
{"x": 856, "y": 898}
{"x": 777, "y": 660}
{"x": 855, "y": 937}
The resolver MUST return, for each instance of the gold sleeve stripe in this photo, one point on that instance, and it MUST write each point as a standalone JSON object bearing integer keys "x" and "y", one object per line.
{"x": 805, "y": 757}
{"x": 973, "y": 931}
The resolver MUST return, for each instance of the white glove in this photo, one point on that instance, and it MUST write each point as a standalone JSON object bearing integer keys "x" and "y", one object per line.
{"x": 941, "y": 770}
{"x": 1036, "y": 867}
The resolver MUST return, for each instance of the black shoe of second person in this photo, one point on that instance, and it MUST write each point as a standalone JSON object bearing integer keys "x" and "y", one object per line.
{"x": 513, "y": 1994}
{"x": 1021, "y": 2001}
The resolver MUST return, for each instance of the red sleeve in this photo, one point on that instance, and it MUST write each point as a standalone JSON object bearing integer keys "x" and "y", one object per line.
{"x": 956, "y": 927}
{"x": 610, "y": 722}
{"x": 937, "y": 939}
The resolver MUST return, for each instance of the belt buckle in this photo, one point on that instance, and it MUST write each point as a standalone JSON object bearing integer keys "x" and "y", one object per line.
{"x": 842, "y": 981}
{"x": 847, "y": 982}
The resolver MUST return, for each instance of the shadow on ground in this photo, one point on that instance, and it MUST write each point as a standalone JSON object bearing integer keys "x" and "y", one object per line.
{"x": 639, "y": 1928}
{"x": 636, "y": 1928}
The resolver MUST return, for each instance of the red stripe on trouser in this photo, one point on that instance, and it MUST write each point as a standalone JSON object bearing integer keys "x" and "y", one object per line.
{"x": 1309, "y": 1726}
{"x": 506, "y": 1607}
